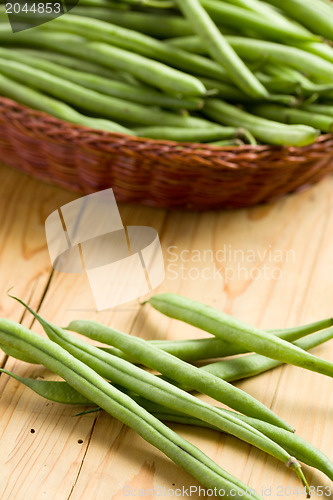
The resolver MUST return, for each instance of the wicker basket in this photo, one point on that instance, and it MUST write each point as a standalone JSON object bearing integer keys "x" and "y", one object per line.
{"x": 155, "y": 173}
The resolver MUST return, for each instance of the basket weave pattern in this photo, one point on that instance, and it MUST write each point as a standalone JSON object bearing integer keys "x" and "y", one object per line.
{"x": 156, "y": 173}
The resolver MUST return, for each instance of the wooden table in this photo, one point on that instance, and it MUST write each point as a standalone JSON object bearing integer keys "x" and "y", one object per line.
{"x": 270, "y": 266}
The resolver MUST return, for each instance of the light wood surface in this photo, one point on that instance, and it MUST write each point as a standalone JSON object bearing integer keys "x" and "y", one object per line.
{"x": 276, "y": 271}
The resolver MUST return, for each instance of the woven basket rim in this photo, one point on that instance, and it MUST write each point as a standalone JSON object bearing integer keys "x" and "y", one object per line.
{"x": 90, "y": 135}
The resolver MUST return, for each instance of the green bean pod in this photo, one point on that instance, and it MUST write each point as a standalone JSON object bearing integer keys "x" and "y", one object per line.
{"x": 88, "y": 383}
{"x": 253, "y": 364}
{"x": 74, "y": 63}
{"x": 201, "y": 349}
{"x": 233, "y": 330}
{"x": 267, "y": 131}
{"x": 293, "y": 116}
{"x": 309, "y": 14}
{"x": 156, "y": 25}
{"x": 240, "y": 19}
{"x": 187, "y": 134}
{"x": 320, "y": 108}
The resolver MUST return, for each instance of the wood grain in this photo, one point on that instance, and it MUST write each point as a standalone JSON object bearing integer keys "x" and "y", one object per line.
{"x": 276, "y": 270}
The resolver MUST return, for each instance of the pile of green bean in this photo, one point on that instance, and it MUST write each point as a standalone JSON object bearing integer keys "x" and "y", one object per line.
{"x": 222, "y": 72}
{"x": 111, "y": 378}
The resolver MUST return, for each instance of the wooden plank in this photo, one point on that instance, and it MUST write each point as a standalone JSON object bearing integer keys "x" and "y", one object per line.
{"x": 51, "y": 463}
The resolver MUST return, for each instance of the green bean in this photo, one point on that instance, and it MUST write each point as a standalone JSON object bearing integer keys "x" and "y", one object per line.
{"x": 152, "y": 72}
{"x": 309, "y": 14}
{"x": 267, "y": 131}
{"x": 240, "y": 18}
{"x": 59, "y": 392}
{"x": 138, "y": 43}
{"x": 142, "y": 95}
{"x": 200, "y": 349}
{"x": 36, "y": 100}
{"x": 88, "y": 383}
{"x": 156, "y": 25}
{"x": 220, "y": 50}
{"x": 322, "y": 50}
{"x": 15, "y": 353}
{"x": 92, "y": 101}
{"x": 104, "y": 3}
{"x": 253, "y": 364}
{"x": 161, "y": 4}
{"x": 233, "y": 330}
{"x": 79, "y": 64}
{"x": 187, "y": 134}
{"x": 305, "y": 84}
{"x": 293, "y": 116}
{"x": 320, "y": 108}
{"x": 273, "y": 84}
{"x": 230, "y": 142}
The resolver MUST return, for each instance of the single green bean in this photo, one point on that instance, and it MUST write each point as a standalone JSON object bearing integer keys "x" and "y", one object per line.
{"x": 107, "y": 106}
{"x": 320, "y": 108}
{"x": 74, "y": 63}
{"x": 230, "y": 142}
{"x": 267, "y": 131}
{"x": 322, "y": 50}
{"x": 293, "y": 116}
{"x": 59, "y": 392}
{"x": 253, "y": 364}
{"x": 309, "y": 14}
{"x": 240, "y": 18}
{"x": 95, "y": 388}
{"x": 233, "y": 330}
{"x": 269, "y": 12}
{"x": 36, "y": 100}
{"x": 187, "y": 134}
{"x": 226, "y": 91}
{"x": 152, "y": 72}
{"x": 141, "y": 95}
{"x": 305, "y": 85}
{"x": 200, "y": 349}
{"x": 220, "y": 50}
{"x": 156, "y": 25}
